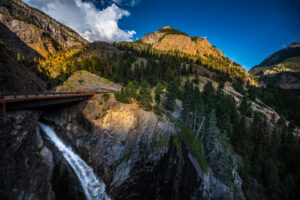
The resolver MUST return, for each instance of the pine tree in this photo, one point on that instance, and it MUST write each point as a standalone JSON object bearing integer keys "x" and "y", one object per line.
{"x": 217, "y": 151}
{"x": 158, "y": 91}
{"x": 224, "y": 112}
{"x": 184, "y": 70}
{"x": 289, "y": 187}
{"x": 172, "y": 93}
{"x": 190, "y": 69}
{"x": 145, "y": 99}
{"x": 169, "y": 76}
{"x": 197, "y": 106}
{"x": 245, "y": 107}
{"x": 187, "y": 103}
{"x": 272, "y": 179}
{"x": 121, "y": 96}
{"x": 208, "y": 96}
{"x": 130, "y": 90}
{"x": 212, "y": 138}
{"x": 274, "y": 144}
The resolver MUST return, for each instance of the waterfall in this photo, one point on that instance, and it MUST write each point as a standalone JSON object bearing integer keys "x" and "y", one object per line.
{"x": 94, "y": 189}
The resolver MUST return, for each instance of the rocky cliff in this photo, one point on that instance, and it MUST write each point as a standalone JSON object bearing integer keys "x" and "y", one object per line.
{"x": 135, "y": 153}
{"x": 40, "y": 35}
{"x": 26, "y": 165}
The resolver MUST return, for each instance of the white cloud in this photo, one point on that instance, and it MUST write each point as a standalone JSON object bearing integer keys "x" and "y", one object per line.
{"x": 86, "y": 19}
{"x": 126, "y": 2}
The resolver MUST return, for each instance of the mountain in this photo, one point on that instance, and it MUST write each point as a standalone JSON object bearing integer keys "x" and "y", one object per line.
{"x": 177, "y": 124}
{"x": 281, "y": 69}
{"x": 169, "y": 39}
{"x": 31, "y": 32}
{"x": 172, "y": 41}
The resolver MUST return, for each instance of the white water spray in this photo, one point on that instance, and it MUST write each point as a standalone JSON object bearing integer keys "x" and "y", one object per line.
{"x": 94, "y": 189}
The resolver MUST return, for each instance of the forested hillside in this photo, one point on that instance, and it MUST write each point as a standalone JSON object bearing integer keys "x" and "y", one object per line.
{"x": 239, "y": 133}
{"x": 216, "y": 122}
{"x": 169, "y": 41}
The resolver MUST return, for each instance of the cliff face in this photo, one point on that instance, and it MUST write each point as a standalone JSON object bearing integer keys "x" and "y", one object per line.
{"x": 35, "y": 29}
{"x": 30, "y": 166}
{"x": 135, "y": 153}
{"x": 26, "y": 164}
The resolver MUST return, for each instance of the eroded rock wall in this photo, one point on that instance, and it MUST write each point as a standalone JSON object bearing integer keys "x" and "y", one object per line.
{"x": 26, "y": 164}
{"x": 134, "y": 153}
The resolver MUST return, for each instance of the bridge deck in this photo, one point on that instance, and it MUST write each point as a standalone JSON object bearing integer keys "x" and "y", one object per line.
{"x": 27, "y": 97}
{"x": 23, "y": 101}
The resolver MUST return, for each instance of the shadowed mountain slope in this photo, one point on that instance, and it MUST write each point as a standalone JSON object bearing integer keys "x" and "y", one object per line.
{"x": 36, "y": 29}
{"x": 281, "y": 69}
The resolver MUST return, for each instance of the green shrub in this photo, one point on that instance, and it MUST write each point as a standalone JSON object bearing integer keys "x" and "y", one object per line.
{"x": 194, "y": 39}
{"x": 172, "y": 31}
{"x": 106, "y": 97}
{"x": 194, "y": 145}
{"x": 80, "y": 81}
{"x": 121, "y": 97}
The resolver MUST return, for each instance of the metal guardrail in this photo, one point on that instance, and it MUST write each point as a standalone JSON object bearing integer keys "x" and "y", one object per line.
{"x": 41, "y": 95}
{"x": 35, "y": 94}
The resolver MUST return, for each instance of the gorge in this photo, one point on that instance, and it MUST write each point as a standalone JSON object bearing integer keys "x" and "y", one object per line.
{"x": 92, "y": 187}
{"x": 166, "y": 116}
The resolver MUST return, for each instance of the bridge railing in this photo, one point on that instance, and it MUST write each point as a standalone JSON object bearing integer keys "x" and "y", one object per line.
{"x": 49, "y": 93}
{"x": 16, "y": 95}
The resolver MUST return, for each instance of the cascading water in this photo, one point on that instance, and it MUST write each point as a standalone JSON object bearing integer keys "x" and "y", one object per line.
{"x": 94, "y": 189}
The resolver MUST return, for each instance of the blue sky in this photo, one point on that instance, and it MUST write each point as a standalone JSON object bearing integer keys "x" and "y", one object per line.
{"x": 246, "y": 31}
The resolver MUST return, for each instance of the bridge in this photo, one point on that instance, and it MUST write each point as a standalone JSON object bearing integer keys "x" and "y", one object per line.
{"x": 30, "y": 101}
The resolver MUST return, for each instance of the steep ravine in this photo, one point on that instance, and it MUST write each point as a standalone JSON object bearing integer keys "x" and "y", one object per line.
{"x": 30, "y": 166}
{"x": 131, "y": 150}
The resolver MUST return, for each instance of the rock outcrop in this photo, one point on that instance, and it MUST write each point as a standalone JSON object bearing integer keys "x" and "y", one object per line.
{"x": 84, "y": 81}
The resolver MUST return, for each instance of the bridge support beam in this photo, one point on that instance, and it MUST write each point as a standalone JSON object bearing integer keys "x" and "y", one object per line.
{"x": 2, "y": 108}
